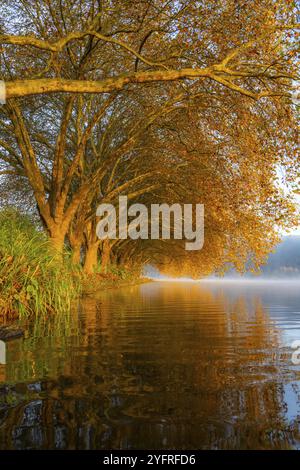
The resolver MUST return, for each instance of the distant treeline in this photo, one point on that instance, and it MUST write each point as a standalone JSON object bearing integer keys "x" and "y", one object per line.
{"x": 286, "y": 259}
{"x": 283, "y": 262}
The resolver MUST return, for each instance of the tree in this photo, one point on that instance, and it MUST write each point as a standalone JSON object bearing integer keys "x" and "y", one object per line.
{"x": 159, "y": 101}
{"x": 167, "y": 40}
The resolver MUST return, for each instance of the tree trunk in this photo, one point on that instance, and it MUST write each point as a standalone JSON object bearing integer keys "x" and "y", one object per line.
{"x": 105, "y": 256}
{"x": 76, "y": 252}
{"x": 91, "y": 258}
{"x": 57, "y": 240}
{"x": 76, "y": 242}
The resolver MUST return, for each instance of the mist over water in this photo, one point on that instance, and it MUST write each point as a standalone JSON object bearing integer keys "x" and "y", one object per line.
{"x": 282, "y": 265}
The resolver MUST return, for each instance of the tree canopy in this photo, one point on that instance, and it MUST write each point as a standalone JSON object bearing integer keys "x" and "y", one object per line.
{"x": 175, "y": 101}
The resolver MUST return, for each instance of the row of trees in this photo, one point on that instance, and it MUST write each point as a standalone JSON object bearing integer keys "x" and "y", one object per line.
{"x": 186, "y": 101}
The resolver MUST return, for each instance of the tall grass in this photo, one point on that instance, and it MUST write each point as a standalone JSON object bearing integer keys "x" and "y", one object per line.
{"x": 33, "y": 281}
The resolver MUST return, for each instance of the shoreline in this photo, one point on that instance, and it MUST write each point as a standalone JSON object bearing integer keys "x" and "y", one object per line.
{"x": 106, "y": 283}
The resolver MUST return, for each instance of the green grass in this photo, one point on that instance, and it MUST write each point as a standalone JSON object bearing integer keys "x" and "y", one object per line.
{"x": 33, "y": 281}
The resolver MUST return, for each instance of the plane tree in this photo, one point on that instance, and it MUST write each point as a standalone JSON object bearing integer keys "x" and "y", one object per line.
{"x": 96, "y": 90}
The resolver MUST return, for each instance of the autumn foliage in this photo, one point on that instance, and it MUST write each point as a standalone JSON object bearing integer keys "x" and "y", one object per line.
{"x": 181, "y": 101}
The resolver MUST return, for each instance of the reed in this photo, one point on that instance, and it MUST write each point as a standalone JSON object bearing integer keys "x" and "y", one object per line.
{"x": 33, "y": 280}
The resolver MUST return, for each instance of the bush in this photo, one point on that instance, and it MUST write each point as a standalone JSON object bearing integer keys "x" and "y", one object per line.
{"x": 32, "y": 279}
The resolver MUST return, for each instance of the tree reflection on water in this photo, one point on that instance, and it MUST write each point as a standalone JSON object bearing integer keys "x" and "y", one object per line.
{"x": 162, "y": 365}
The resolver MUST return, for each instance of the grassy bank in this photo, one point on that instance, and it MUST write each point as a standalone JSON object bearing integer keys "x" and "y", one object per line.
{"x": 32, "y": 280}
{"x": 35, "y": 282}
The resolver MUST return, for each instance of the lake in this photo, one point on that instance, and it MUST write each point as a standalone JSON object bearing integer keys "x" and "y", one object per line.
{"x": 162, "y": 365}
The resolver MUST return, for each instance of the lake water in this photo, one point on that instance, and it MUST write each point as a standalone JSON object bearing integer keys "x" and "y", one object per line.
{"x": 163, "y": 365}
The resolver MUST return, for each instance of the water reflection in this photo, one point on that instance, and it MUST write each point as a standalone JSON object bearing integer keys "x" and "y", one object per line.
{"x": 162, "y": 365}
